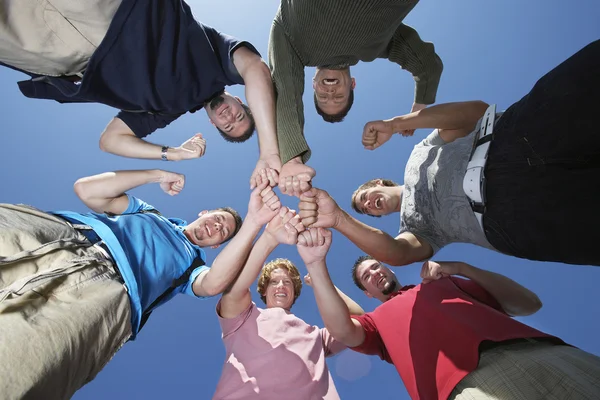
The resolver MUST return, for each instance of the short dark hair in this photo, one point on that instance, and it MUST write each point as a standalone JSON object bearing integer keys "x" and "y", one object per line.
{"x": 339, "y": 117}
{"x": 246, "y": 135}
{"x": 367, "y": 185}
{"x": 359, "y": 261}
{"x": 236, "y": 217}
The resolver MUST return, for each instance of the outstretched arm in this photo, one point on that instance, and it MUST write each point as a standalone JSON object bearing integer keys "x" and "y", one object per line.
{"x": 263, "y": 205}
{"x": 453, "y": 120}
{"x": 281, "y": 229}
{"x": 515, "y": 299}
{"x": 120, "y": 140}
{"x": 313, "y": 246}
{"x": 353, "y": 307}
{"x": 318, "y": 209}
{"x": 105, "y": 193}
{"x": 260, "y": 95}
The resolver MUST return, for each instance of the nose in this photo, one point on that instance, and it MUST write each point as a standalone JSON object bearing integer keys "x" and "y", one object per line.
{"x": 368, "y": 204}
{"x": 280, "y": 283}
{"x": 329, "y": 89}
{"x": 218, "y": 226}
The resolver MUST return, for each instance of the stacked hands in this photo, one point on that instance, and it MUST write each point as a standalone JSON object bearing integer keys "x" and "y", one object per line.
{"x": 286, "y": 226}
{"x": 294, "y": 177}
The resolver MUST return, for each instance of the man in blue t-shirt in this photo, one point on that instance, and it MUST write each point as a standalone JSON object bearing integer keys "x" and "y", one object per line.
{"x": 75, "y": 287}
{"x": 150, "y": 59}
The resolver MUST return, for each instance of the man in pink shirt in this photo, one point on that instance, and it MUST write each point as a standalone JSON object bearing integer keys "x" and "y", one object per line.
{"x": 271, "y": 353}
{"x": 453, "y": 338}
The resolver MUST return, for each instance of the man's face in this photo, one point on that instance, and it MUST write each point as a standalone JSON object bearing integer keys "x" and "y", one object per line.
{"x": 332, "y": 88}
{"x": 280, "y": 290}
{"x": 211, "y": 228}
{"x": 227, "y": 114}
{"x": 378, "y": 280}
{"x": 376, "y": 201}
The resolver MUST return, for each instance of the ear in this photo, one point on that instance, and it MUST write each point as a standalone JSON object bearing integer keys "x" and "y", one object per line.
{"x": 215, "y": 246}
{"x": 353, "y": 84}
{"x": 314, "y": 84}
{"x": 202, "y": 213}
{"x": 211, "y": 121}
{"x": 369, "y": 295}
{"x": 238, "y": 99}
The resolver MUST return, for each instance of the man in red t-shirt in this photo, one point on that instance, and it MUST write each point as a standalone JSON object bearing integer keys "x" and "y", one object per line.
{"x": 453, "y": 338}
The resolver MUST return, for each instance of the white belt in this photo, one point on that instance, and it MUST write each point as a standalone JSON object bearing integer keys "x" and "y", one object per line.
{"x": 474, "y": 180}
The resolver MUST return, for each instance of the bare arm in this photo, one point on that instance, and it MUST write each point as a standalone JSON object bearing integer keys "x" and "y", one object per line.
{"x": 333, "y": 309}
{"x": 405, "y": 249}
{"x": 237, "y": 298}
{"x": 353, "y": 307}
{"x": 260, "y": 96}
{"x": 106, "y": 192}
{"x": 263, "y": 205}
{"x": 515, "y": 299}
{"x": 120, "y": 140}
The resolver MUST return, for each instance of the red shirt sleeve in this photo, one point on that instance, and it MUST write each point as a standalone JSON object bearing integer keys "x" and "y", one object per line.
{"x": 477, "y": 292}
{"x": 373, "y": 344}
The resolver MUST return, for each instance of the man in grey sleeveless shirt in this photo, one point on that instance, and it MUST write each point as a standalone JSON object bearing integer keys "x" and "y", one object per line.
{"x": 536, "y": 196}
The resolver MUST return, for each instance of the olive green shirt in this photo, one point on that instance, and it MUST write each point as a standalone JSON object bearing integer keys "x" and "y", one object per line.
{"x": 336, "y": 34}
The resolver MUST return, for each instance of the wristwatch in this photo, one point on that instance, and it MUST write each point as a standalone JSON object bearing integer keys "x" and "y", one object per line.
{"x": 163, "y": 153}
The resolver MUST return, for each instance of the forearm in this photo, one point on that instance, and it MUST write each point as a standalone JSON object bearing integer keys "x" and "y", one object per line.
{"x": 461, "y": 115}
{"x": 98, "y": 191}
{"x": 261, "y": 99}
{"x": 334, "y": 311}
{"x": 263, "y": 247}
{"x": 230, "y": 260}
{"x": 514, "y": 298}
{"x": 374, "y": 242}
{"x": 353, "y": 307}
{"x": 118, "y": 139}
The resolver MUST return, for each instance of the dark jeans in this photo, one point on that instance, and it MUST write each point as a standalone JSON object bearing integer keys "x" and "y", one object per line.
{"x": 543, "y": 168}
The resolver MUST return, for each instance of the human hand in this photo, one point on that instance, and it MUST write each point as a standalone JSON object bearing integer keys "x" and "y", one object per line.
{"x": 264, "y": 203}
{"x": 415, "y": 107}
{"x": 171, "y": 183}
{"x": 295, "y": 177}
{"x": 376, "y": 133}
{"x": 285, "y": 227}
{"x": 432, "y": 271}
{"x": 194, "y": 147}
{"x": 318, "y": 209}
{"x": 313, "y": 245}
{"x": 271, "y": 162}
{"x": 308, "y": 280}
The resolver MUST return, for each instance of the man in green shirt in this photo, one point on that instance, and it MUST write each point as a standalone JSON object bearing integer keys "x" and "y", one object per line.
{"x": 333, "y": 35}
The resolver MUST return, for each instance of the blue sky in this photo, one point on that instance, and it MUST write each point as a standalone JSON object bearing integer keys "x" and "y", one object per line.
{"x": 491, "y": 51}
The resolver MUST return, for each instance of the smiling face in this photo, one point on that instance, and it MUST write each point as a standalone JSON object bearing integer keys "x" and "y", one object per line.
{"x": 377, "y": 279}
{"x": 280, "y": 290}
{"x": 211, "y": 228}
{"x": 378, "y": 200}
{"x": 228, "y": 115}
{"x": 332, "y": 89}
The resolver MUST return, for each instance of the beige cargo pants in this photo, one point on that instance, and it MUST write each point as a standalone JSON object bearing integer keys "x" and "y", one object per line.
{"x": 64, "y": 311}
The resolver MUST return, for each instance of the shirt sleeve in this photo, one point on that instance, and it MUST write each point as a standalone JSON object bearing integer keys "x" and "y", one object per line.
{"x": 143, "y": 123}
{"x": 474, "y": 290}
{"x": 433, "y": 139}
{"x": 188, "y": 287}
{"x": 330, "y": 344}
{"x": 419, "y": 58}
{"x": 224, "y": 46}
{"x": 373, "y": 344}
{"x": 230, "y": 325}
{"x": 137, "y": 205}
{"x": 287, "y": 71}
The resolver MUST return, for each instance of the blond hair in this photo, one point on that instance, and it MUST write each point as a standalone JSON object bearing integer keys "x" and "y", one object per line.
{"x": 265, "y": 277}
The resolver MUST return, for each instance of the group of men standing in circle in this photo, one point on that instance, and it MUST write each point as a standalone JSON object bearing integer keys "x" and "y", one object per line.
{"x": 75, "y": 287}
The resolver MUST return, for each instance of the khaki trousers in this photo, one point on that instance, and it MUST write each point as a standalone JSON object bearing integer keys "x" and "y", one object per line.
{"x": 64, "y": 310}
{"x": 532, "y": 371}
{"x": 53, "y": 37}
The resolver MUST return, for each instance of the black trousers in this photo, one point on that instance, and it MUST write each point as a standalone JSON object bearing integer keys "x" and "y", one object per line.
{"x": 543, "y": 168}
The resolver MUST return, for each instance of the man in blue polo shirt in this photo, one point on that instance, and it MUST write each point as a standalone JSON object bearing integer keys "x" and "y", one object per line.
{"x": 75, "y": 287}
{"x": 149, "y": 58}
